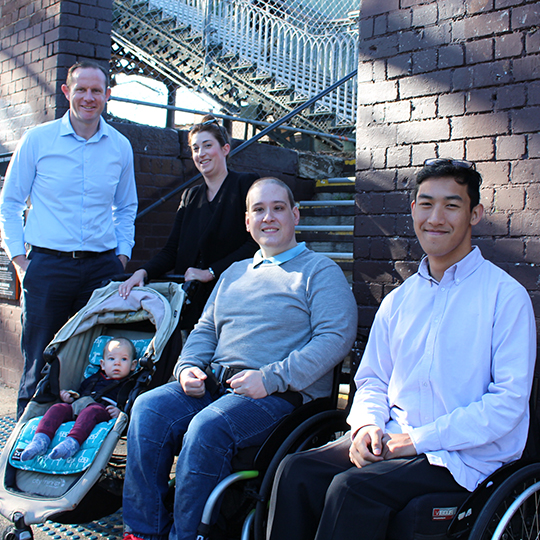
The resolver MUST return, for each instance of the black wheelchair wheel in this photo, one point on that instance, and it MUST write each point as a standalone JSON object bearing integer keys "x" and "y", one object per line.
{"x": 512, "y": 512}
{"x": 317, "y": 431}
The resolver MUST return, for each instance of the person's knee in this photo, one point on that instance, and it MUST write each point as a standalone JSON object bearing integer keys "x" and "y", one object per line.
{"x": 210, "y": 429}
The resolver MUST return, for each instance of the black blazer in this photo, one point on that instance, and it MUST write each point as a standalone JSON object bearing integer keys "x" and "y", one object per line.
{"x": 207, "y": 234}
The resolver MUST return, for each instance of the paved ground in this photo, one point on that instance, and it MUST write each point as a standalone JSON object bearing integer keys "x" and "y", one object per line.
{"x": 109, "y": 528}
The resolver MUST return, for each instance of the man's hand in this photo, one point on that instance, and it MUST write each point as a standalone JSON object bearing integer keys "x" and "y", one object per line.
{"x": 124, "y": 260}
{"x": 366, "y": 446}
{"x": 397, "y": 445}
{"x": 21, "y": 264}
{"x": 248, "y": 383}
{"x": 192, "y": 381}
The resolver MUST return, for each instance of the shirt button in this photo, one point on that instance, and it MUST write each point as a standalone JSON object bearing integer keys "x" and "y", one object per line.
{"x": 425, "y": 384}
{"x": 443, "y": 289}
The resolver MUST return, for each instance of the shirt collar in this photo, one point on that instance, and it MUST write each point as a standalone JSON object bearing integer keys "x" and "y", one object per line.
{"x": 458, "y": 271}
{"x": 67, "y": 129}
{"x": 280, "y": 258}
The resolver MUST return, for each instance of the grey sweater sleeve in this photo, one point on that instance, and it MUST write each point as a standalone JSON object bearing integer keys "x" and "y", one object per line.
{"x": 333, "y": 318}
{"x": 200, "y": 346}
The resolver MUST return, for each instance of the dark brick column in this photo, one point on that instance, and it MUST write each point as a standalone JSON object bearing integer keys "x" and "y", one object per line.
{"x": 446, "y": 79}
{"x": 40, "y": 40}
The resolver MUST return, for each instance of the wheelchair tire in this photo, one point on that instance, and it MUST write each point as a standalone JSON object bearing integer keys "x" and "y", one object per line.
{"x": 514, "y": 506}
{"x": 314, "y": 432}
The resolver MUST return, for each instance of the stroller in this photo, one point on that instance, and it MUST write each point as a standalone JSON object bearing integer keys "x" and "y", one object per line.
{"x": 88, "y": 486}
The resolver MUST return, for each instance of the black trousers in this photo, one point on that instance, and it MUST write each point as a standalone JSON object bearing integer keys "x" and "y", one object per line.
{"x": 319, "y": 494}
{"x": 54, "y": 289}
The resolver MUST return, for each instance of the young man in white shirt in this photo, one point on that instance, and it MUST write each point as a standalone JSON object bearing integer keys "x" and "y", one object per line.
{"x": 442, "y": 389}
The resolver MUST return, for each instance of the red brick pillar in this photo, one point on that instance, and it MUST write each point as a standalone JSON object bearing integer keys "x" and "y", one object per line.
{"x": 446, "y": 79}
{"x": 40, "y": 40}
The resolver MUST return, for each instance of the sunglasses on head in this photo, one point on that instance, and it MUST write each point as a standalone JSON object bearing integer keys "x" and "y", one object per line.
{"x": 455, "y": 162}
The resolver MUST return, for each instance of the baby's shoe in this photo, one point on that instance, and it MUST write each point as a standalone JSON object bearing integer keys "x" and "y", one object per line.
{"x": 37, "y": 447}
{"x": 67, "y": 448}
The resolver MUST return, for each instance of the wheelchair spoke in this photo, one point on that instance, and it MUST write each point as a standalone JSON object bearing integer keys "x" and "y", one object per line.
{"x": 513, "y": 513}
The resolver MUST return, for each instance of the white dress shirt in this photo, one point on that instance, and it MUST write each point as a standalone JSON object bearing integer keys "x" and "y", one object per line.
{"x": 451, "y": 364}
{"x": 83, "y": 194}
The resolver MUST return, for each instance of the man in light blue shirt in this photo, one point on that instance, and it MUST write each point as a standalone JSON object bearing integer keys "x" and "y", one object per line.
{"x": 442, "y": 388}
{"x": 77, "y": 172}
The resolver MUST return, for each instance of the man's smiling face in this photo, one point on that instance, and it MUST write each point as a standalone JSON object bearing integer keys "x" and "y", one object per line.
{"x": 270, "y": 218}
{"x": 87, "y": 95}
{"x": 443, "y": 219}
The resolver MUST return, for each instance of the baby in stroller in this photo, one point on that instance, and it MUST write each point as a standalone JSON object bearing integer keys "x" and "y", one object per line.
{"x": 95, "y": 402}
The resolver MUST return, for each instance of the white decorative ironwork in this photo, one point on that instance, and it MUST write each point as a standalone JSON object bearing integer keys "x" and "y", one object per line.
{"x": 303, "y": 49}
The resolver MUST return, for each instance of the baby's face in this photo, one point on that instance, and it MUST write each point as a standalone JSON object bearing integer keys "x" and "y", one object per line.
{"x": 117, "y": 361}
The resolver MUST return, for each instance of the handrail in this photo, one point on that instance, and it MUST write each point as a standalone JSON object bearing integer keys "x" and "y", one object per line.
{"x": 254, "y": 139}
{"x": 229, "y": 117}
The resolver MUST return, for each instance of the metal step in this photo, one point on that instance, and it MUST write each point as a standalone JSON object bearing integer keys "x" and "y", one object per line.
{"x": 329, "y": 202}
{"x": 325, "y": 228}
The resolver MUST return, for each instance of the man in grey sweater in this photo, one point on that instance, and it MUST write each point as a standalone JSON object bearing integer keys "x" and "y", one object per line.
{"x": 271, "y": 333}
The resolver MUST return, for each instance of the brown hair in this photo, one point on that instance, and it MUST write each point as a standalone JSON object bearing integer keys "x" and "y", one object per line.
{"x": 211, "y": 124}
{"x": 122, "y": 341}
{"x": 85, "y": 65}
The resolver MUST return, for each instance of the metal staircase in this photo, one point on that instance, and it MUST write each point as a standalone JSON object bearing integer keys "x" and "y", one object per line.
{"x": 254, "y": 60}
{"x": 327, "y": 221}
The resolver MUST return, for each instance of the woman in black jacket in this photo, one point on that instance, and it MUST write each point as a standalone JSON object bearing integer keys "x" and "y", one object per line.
{"x": 209, "y": 231}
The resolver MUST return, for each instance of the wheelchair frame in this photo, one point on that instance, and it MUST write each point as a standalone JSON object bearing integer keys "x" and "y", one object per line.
{"x": 506, "y": 506}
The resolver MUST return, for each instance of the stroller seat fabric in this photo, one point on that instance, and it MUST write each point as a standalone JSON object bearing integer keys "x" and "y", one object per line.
{"x": 43, "y": 464}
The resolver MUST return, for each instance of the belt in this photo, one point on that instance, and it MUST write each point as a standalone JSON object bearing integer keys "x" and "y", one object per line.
{"x": 219, "y": 373}
{"x": 222, "y": 372}
{"x": 71, "y": 254}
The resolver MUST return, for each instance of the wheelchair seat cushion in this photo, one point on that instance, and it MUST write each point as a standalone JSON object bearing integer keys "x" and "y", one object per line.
{"x": 426, "y": 517}
{"x": 43, "y": 464}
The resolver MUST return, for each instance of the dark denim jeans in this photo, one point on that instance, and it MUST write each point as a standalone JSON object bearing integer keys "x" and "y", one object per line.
{"x": 207, "y": 434}
{"x": 54, "y": 289}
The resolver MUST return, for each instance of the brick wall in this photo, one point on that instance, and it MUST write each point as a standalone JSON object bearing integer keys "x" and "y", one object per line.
{"x": 40, "y": 39}
{"x": 461, "y": 79}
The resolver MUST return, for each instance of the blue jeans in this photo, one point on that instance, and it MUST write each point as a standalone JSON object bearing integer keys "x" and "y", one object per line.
{"x": 207, "y": 434}
{"x": 54, "y": 289}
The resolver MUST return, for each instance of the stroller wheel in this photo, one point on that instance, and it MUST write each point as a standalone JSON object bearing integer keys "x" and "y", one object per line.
{"x": 19, "y": 531}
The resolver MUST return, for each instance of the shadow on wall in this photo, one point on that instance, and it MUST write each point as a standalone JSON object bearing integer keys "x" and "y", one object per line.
{"x": 16, "y": 118}
{"x": 451, "y": 86}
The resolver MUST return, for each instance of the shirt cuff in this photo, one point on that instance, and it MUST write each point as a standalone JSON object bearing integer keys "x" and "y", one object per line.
{"x": 425, "y": 438}
{"x": 124, "y": 249}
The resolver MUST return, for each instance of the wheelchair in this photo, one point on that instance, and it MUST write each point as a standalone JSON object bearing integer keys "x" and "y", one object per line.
{"x": 237, "y": 507}
{"x": 505, "y": 506}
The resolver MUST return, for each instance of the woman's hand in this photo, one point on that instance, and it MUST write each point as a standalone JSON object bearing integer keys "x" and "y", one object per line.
{"x": 136, "y": 280}
{"x": 196, "y": 274}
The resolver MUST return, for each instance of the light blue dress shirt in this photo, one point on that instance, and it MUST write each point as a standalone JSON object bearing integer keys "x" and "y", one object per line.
{"x": 451, "y": 364}
{"x": 82, "y": 193}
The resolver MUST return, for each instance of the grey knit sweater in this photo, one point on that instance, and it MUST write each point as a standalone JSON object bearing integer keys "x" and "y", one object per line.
{"x": 294, "y": 322}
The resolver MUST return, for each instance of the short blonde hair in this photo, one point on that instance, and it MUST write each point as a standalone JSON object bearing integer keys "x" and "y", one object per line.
{"x": 271, "y": 180}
